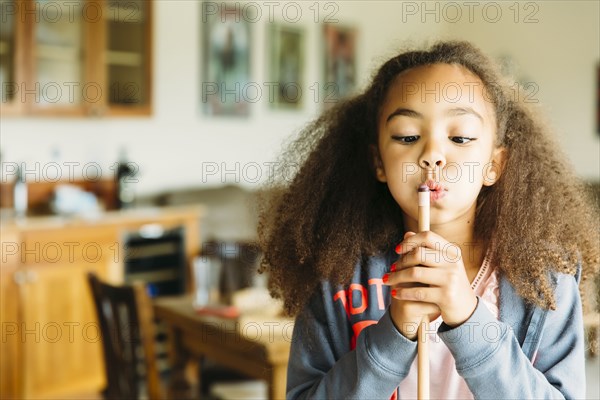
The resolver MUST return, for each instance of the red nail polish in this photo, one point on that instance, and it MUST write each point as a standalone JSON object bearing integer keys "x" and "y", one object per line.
{"x": 398, "y": 248}
{"x": 394, "y": 291}
{"x": 393, "y": 267}
{"x": 385, "y": 278}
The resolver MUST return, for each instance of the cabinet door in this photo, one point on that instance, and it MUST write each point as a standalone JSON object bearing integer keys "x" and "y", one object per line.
{"x": 75, "y": 58}
{"x": 128, "y": 56}
{"x": 10, "y": 345}
{"x": 58, "y": 58}
{"x": 62, "y": 351}
{"x": 12, "y": 52}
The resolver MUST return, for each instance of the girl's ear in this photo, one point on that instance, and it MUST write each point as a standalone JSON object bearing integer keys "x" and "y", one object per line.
{"x": 493, "y": 170}
{"x": 377, "y": 164}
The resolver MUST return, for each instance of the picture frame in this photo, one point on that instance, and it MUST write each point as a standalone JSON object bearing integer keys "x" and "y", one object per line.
{"x": 286, "y": 65}
{"x": 226, "y": 47}
{"x": 339, "y": 63}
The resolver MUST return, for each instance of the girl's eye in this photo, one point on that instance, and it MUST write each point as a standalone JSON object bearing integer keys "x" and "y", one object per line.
{"x": 462, "y": 139}
{"x": 405, "y": 139}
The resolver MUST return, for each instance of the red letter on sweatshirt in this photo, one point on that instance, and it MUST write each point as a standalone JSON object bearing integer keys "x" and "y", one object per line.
{"x": 378, "y": 282}
{"x": 341, "y": 295}
{"x": 363, "y": 298}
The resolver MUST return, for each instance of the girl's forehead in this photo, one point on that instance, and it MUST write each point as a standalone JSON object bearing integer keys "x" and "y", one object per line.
{"x": 439, "y": 85}
{"x": 440, "y": 71}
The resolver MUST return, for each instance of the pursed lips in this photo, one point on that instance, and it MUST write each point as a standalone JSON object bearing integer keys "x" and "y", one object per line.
{"x": 436, "y": 189}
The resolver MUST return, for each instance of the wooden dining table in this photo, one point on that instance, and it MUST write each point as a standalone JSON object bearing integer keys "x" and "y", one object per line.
{"x": 253, "y": 345}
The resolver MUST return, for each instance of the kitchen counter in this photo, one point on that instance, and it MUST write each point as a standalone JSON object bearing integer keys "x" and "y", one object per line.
{"x": 50, "y": 346}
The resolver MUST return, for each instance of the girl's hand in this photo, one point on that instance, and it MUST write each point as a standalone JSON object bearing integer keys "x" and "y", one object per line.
{"x": 407, "y": 314}
{"x": 428, "y": 259}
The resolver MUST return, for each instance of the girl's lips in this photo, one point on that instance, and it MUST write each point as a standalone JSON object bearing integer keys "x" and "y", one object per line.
{"x": 436, "y": 195}
{"x": 437, "y": 190}
{"x": 433, "y": 185}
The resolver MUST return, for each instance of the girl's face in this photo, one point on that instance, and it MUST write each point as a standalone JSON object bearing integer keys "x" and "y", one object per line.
{"x": 438, "y": 124}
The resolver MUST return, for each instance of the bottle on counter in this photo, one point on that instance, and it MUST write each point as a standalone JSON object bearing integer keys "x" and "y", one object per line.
{"x": 125, "y": 179}
{"x": 20, "y": 194}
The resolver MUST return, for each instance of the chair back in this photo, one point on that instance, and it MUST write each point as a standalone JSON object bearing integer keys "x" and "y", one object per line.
{"x": 126, "y": 322}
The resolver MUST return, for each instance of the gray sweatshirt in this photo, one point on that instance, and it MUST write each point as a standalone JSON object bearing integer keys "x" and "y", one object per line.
{"x": 345, "y": 344}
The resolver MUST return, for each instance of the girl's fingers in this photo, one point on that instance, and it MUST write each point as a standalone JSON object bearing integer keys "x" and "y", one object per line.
{"x": 409, "y": 234}
{"x": 420, "y": 294}
{"x": 423, "y": 239}
{"x": 418, "y": 256}
{"x": 415, "y": 307}
{"x": 406, "y": 260}
{"x": 428, "y": 240}
{"x": 416, "y": 274}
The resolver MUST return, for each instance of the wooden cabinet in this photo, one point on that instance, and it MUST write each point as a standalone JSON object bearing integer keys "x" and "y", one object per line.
{"x": 58, "y": 321}
{"x": 50, "y": 345}
{"x": 76, "y": 58}
{"x": 62, "y": 344}
{"x": 10, "y": 357}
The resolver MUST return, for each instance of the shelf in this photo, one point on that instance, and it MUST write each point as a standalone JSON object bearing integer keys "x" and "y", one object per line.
{"x": 124, "y": 58}
{"x": 57, "y": 53}
{"x": 166, "y": 273}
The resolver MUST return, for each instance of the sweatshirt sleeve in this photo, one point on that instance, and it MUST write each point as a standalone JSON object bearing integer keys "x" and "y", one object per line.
{"x": 490, "y": 359}
{"x": 321, "y": 364}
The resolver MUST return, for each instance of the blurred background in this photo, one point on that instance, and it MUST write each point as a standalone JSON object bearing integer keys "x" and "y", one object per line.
{"x": 128, "y": 124}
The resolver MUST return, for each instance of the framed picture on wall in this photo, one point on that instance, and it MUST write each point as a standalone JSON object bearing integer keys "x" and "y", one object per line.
{"x": 225, "y": 60}
{"x": 339, "y": 63}
{"x": 285, "y": 48}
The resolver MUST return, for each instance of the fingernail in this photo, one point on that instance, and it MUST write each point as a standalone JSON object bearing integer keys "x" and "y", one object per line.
{"x": 393, "y": 267}
{"x": 394, "y": 291}
{"x": 398, "y": 248}
{"x": 385, "y": 278}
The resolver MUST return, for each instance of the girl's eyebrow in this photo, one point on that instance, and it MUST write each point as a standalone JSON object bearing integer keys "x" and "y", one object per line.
{"x": 462, "y": 111}
{"x": 407, "y": 112}
{"x": 451, "y": 112}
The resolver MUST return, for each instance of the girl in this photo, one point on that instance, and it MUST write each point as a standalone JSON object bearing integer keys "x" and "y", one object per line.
{"x": 512, "y": 233}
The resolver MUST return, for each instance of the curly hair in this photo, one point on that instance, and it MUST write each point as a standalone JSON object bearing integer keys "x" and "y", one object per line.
{"x": 334, "y": 212}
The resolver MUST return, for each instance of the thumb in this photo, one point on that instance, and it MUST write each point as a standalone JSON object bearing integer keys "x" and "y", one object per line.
{"x": 409, "y": 234}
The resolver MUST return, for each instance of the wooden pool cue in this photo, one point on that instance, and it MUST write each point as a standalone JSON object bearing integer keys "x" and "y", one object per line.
{"x": 422, "y": 345}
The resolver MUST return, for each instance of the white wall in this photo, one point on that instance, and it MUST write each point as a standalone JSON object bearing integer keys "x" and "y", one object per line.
{"x": 557, "y": 48}
{"x": 559, "y": 53}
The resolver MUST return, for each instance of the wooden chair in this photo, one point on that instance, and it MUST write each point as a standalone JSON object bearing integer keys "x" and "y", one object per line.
{"x": 126, "y": 323}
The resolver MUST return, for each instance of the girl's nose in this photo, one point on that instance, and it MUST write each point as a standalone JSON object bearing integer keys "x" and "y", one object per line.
{"x": 432, "y": 157}
{"x": 432, "y": 162}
